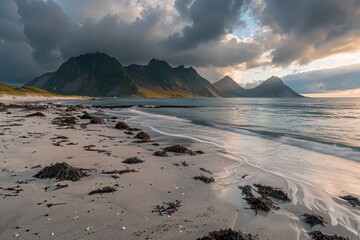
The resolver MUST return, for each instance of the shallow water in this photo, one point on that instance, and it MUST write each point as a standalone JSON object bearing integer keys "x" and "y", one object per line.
{"x": 310, "y": 146}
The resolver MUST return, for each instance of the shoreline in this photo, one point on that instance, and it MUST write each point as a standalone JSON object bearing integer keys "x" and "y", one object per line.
{"x": 202, "y": 211}
{"x": 37, "y": 98}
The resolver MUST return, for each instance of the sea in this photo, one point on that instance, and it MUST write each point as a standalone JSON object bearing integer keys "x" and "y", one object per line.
{"x": 312, "y": 145}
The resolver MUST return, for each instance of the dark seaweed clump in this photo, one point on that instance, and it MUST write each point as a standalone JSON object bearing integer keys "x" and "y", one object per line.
{"x": 61, "y": 172}
{"x": 205, "y": 179}
{"x": 257, "y": 203}
{"x": 268, "y": 191}
{"x": 167, "y": 208}
{"x": 120, "y": 172}
{"x": 133, "y": 160}
{"x": 318, "y": 235}
{"x": 103, "y": 190}
{"x": 228, "y": 234}
{"x": 183, "y": 163}
{"x": 314, "y": 219}
{"x": 354, "y": 201}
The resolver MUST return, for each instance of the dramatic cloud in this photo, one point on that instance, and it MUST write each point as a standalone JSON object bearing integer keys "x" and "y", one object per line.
{"x": 46, "y": 26}
{"x": 309, "y": 29}
{"x": 36, "y": 36}
{"x": 210, "y": 19}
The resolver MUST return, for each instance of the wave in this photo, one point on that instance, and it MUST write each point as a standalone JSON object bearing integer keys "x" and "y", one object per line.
{"x": 309, "y": 143}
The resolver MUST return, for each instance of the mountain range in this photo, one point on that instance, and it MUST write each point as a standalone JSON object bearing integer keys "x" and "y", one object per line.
{"x": 98, "y": 74}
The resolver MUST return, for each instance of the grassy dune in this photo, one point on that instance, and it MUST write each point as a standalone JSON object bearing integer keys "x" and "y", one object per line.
{"x": 23, "y": 91}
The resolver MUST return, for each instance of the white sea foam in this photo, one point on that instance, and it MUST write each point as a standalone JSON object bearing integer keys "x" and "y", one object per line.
{"x": 313, "y": 179}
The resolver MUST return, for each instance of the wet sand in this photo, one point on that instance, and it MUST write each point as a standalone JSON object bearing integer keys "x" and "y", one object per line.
{"x": 33, "y": 208}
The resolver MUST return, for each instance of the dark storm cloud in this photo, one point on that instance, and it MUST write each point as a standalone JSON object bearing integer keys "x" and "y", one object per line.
{"x": 129, "y": 42}
{"x": 210, "y": 19}
{"x": 16, "y": 63}
{"x": 217, "y": 54}
{"x": 310, "y": 29}
{"x": 38, "y": 35}
{"x": 46, "y": 26}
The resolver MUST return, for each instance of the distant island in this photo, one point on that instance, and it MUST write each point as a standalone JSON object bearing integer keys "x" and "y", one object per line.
{"x": 100, "y": 75}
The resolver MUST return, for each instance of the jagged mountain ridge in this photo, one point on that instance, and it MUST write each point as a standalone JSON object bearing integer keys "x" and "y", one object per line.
{"x": 270, "y": 88}
{"x": 159, "y": 78}
{"x": 98, "y": 74}
{"x": 89, "y": 74}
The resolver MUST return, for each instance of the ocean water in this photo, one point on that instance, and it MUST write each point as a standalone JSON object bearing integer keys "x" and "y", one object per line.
{"x": 311, "y": 146}
{"x": 327, "y": 125}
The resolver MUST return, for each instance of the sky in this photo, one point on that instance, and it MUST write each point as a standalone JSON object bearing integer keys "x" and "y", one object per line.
{"x": 249, "y": 40}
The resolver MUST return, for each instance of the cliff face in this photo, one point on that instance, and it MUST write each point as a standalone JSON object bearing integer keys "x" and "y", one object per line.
{"x": 90, "y": 74}
{"x": 159, "y": 78}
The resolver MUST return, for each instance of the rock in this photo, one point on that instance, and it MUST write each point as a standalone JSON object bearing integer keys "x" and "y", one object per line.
{"x": 61, "y": 172}
{"x": 179, "y": 149}
{"x": 74, "y": 108}
{"x": 97, "y": 120}
{"x": 64, "y": 121}
{"x": 160, "y": 154}
{"x": 86, "y": 116}
{"x": 142, "y": 135}
{"x": 37, "y": 114}
{"x": 122, "y": 126}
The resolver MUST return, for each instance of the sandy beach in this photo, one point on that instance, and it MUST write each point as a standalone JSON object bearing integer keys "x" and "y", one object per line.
{"x": 35, "y": 208}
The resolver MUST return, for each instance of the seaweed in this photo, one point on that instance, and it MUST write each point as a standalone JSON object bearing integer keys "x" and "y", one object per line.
{"x": 61, "y": 172}
{"x": 268, "y": 191}
{"x": 49, "y": 205}
{"x": 133, "y": 160}
{"x": 60, "y": 186}
{"x": 205, "y": 179}
{"x": 318, "y": 235}
{"x": 246, "y": 190}
{"x": 103, "y": 190}
{"x": 58, "y": 137}
{"x": 167, "y": 208}
{"x": 354, "y": 201}
{"x": 204, "y": 170}
{"x": 257, "y": 203}
{"x": 228, "y": 234}
{"x": 260, "y": 203}
{"x": 183, "y": 163}
{"x": 120, "y": 172}
{"x": 314, "y": 219}
{"x": 91, "y": 148}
